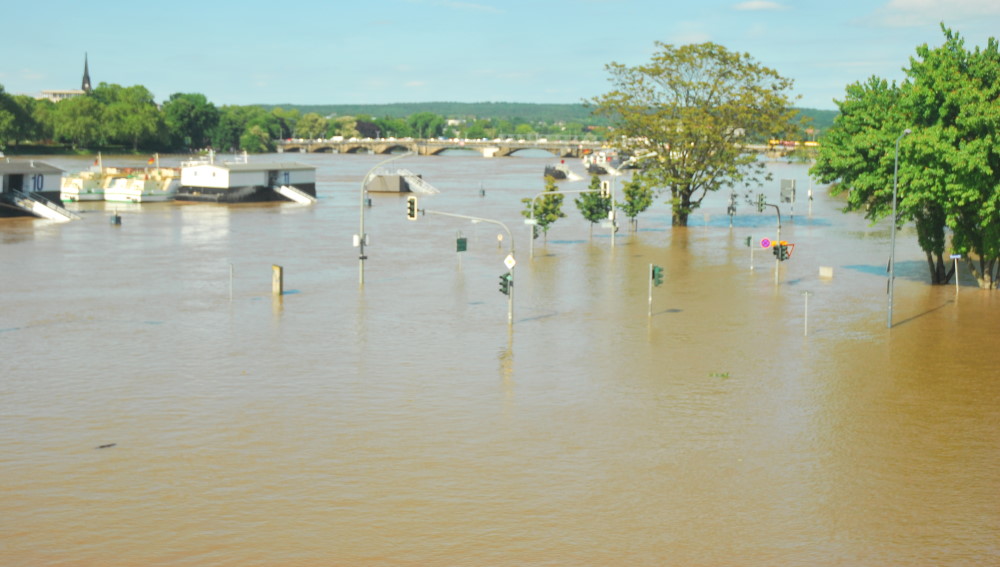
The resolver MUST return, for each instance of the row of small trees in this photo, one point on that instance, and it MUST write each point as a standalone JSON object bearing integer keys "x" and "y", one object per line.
{"x": 593, "y": 204}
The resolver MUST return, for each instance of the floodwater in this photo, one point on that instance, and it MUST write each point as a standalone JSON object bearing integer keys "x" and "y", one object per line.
{"x": 732, "y": 421}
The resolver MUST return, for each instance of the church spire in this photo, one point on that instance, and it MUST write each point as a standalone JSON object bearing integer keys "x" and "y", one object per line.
{"x": 86, "y": 75}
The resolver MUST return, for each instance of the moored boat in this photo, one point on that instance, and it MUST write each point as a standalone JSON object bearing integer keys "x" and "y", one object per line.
{"x": 153, "y": 185}
{"x": 84, "y": 185}
{"x": 557, "y": 170}
{"x": 240, "y": 181}
{"x": 600, "y": 163}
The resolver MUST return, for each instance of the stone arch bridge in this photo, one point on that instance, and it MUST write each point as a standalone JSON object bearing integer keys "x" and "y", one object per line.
{"x": 429, "y": 147}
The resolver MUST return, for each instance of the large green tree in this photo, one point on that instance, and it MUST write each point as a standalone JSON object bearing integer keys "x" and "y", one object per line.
{"x": 696, "y": 105}
{"x": 131, "y": 116}
{"x": 79, "y": 120}
{"x": 949, "y": 163}
{"x": 234, "y": 129}
{"x": 638, "y": 198}
{"x": 426, "y": 124}
{"x": 311, "y": 125}
{"x": 190, "y": 119}
{"x": 282, "y": 123}
{"x": 16, "y": 121}
{"x": 8, "y": 117}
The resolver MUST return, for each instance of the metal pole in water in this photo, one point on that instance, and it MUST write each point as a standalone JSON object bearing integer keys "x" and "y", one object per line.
{"x": 956, "y": 274}
{"x": 777, "y": 262}
{"x": 650, "y": 292}
{"x": 277, "y": 279}
{"x": 805, "y": 323}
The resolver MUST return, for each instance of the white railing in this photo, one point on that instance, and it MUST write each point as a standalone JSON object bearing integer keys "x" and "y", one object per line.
{"x": 417, "y": 183}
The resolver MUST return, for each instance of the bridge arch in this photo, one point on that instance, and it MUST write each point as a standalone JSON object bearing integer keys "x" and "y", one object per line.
{"x": 429, "y": 147}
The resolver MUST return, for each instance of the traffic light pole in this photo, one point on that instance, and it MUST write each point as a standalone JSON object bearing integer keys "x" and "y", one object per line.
{"x": 777, "y": 259}
{"x": 362, "y": 238}
{"x": 650, "y": 278}
{"x": 614, "y": 174}
{"x": 510, "y": 269}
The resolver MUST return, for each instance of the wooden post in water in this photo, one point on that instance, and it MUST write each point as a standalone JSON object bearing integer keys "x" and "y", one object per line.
{"x": 277, "y": 279}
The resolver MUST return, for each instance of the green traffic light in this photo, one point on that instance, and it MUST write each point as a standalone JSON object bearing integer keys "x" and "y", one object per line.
{"x": 657, "y": 275}
{"x": 506, "y": 281}
{"x": 411, "y": 208}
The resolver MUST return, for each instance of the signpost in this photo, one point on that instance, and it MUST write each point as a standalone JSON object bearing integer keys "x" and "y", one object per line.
{"x": 509, "y": 262}
{"x": 955, "y": 257}
{"x": 761, "y": 203}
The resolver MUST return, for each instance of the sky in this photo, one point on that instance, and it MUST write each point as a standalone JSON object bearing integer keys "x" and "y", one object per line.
{"x": 388, "y": 51}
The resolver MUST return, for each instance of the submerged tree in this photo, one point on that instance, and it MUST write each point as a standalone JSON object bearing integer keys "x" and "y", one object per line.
{"x": 949, "y": 162}
{"x": 547, "y": 209}
{"x": 593, "y": 205}
{"x": 696, "y": 105}
{"x": 638, "y": 198}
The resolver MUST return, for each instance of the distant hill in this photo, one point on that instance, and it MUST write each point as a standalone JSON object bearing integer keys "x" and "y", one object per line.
{"x": 822, "y": 120}
{"x": 513, "y": 111}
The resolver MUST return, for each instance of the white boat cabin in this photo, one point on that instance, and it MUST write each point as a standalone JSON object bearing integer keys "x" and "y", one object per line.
{"x": 29, "y": 176}
{"x": 232, "y": 175}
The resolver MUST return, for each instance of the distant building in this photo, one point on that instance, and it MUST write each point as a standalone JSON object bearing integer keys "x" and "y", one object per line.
{"x": 56, "y": 95}
{"x": 86, "y": 76}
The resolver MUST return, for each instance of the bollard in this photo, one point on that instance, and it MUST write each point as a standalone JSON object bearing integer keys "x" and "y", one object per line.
{"x": 277, "y": 279}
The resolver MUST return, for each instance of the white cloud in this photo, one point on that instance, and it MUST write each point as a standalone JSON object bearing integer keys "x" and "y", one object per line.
{"x": 758, "y": 6}
{"x": 689, "y": 32}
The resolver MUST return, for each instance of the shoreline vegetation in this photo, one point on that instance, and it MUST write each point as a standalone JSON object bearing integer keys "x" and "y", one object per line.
{"x": 126, "y": 120}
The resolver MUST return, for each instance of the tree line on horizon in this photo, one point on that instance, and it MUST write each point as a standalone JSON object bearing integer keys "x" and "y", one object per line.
{"x": 114, "y": 117}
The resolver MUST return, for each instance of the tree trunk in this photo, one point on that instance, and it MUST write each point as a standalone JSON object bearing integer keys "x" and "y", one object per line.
{"x": 986, "y": 274}
{"x": 940, "y": 274}
{"x": 680, "y": 207}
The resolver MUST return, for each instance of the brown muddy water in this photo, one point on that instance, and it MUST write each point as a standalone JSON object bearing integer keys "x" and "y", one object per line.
{"x": 406, "y": 423}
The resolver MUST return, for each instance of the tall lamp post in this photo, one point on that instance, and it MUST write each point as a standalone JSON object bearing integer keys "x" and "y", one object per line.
{"x": 361, "y": 238}
{"x": 892, "y": 228}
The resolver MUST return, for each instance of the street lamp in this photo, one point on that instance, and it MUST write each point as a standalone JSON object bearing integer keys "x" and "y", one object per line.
{"x": 892, "y": 228}
{"x": 361, "y": 238}
{"x": 614, "y": 174}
